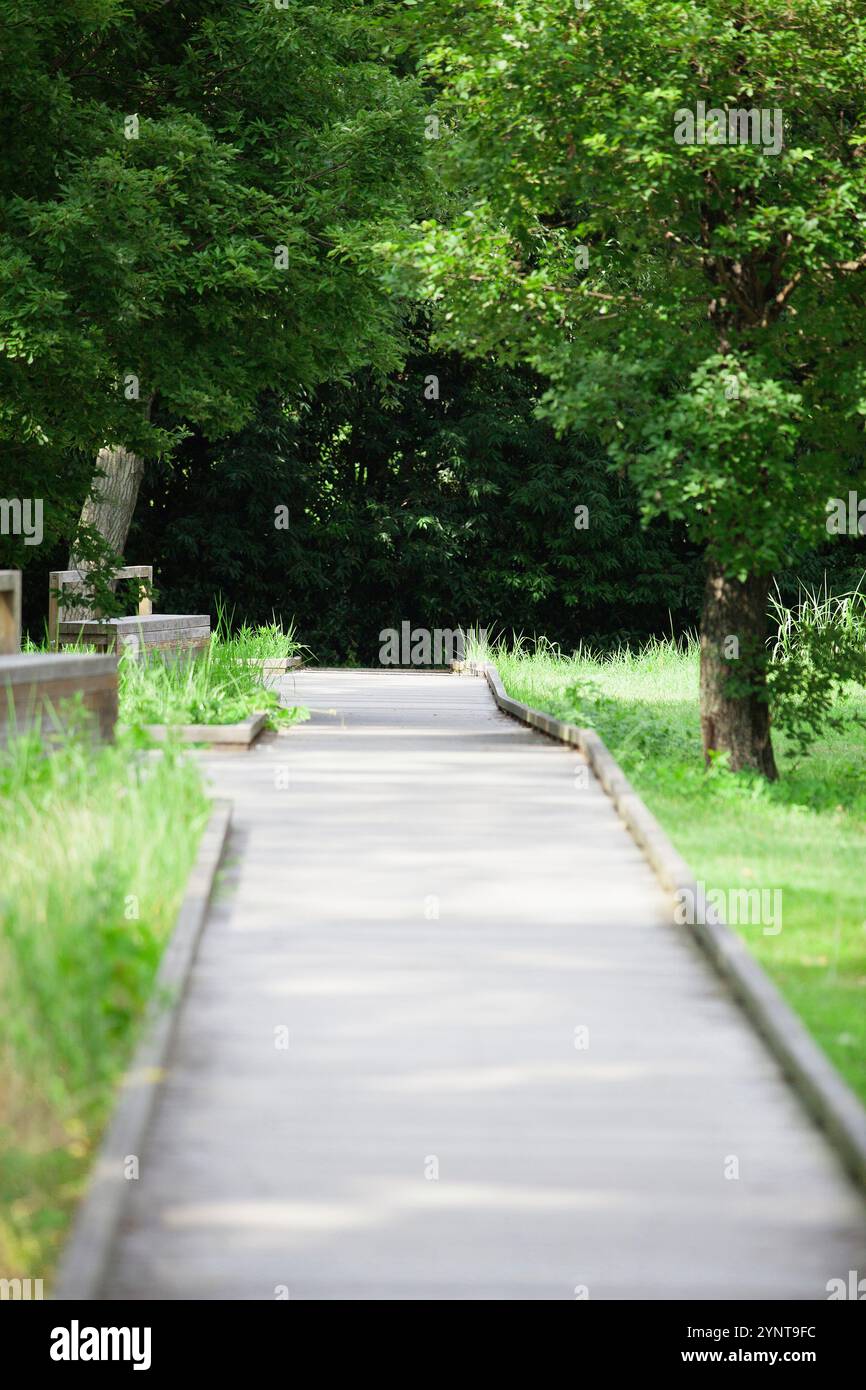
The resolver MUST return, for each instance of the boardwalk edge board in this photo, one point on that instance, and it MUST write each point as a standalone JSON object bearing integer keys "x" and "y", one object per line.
{"x": 273, "y": 663}
{"x": 36, "y": 686}
{"x": 227, "y": 736}
{"x": 830, "y": 1100}
{"x": 85, "y": 1257}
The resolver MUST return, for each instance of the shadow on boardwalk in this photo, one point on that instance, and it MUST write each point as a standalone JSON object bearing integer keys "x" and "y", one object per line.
{"x": 441, "y": 1041}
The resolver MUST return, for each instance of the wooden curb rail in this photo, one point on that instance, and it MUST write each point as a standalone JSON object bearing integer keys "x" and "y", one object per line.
{"x": 230, "y": 737}
{"x": 831, "y": 1101}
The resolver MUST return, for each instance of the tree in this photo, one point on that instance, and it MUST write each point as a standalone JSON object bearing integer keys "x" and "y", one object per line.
{"x": 188, "y": 200}
{"x": 385, "y": 500}
{"x": 668, "y": 223}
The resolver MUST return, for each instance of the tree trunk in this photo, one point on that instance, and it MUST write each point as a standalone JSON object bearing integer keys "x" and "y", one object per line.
{"x": 109, "y": 511}
{"x": 735, "y": 711}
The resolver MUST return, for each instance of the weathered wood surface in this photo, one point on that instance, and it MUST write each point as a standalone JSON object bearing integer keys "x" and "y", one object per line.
{"x": 72, "y": 581}
{"x": 831, "y": 1101}
{"x": 35, "y": 687}
{"x": 273, "y": 665}
{"x": 227, "y": 736}
{"x": 166, "y": 632}
{"x": 430, "y": 899}
{"x": 10, "y": 612}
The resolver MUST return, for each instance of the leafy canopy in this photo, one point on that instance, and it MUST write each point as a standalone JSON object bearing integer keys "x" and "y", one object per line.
{"x": 188, "y": 196}
{"x": 697, "y": 306}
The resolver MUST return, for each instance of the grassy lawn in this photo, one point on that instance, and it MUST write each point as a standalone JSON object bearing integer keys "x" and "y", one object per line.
{"x": 805, "y": 835}
{"x": 96, "y": 846}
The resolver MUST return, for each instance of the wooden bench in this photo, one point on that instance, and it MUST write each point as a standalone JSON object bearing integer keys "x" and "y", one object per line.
{"x": 146, "y": 631}
{"x": 10, "y": 611}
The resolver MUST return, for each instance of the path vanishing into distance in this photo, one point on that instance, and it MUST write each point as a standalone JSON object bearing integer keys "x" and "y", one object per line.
{"x": 441, "y": 1040}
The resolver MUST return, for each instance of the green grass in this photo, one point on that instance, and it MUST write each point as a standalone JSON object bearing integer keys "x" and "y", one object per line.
{"x": 96, "y": 845}
{"x": 265, "y": 642}
{"x": 31, "y": 648}
{"x": 268, "y": 642}
{"x": 214, "y": 687}
{"x": 220, "y": 685}
{"x": 805, "y": 834}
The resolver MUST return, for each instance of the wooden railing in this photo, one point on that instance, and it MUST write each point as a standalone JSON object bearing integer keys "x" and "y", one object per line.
{"x": 58, "y": 580}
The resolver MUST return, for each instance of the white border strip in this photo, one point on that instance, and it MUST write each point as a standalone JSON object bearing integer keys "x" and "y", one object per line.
{"x": 87, "y": 1251}
{"x": 827, "y": 1096}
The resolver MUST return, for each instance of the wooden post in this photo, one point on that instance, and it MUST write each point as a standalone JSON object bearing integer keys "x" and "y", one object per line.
{"x": 54, "y": 584}
{"x": 145, "y": 603}
{"x": 10, "y": 612}
{"x": 145, "y": 606}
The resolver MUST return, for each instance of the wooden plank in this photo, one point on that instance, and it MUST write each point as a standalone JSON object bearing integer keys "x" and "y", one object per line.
{"x": 58, "y": 580}
{"x": 10, "y": 611}
{"x": 429, "y": 904}
{"x": 234, "y": 736}
{"x": 65, "y": 577}
{"x": 273, "y": 665}
{"x": 27, "y": 668}
{"x": 150, "y": 626}
{"x": 160, "y": 631}
{"x": 35, "y": 686}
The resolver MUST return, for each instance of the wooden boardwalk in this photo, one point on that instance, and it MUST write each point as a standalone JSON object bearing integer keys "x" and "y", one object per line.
{"x": 427, "y": 905}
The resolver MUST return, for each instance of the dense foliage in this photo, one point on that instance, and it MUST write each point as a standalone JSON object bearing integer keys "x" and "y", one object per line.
{"x": 697, "y": 305}
{"x": 400, "y": 507}
{"x": 219, "y": 232}
{"x": 666, "y": 220}
{"x": 188, "y": 197}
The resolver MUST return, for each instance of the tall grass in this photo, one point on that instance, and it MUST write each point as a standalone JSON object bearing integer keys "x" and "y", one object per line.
{"x": 817, "y": 610}
{"x": 265, "y": 642}
{"x": 96, "y": 845}
{"x": 219, "y": 685}
{"x": 211, "y": 687}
